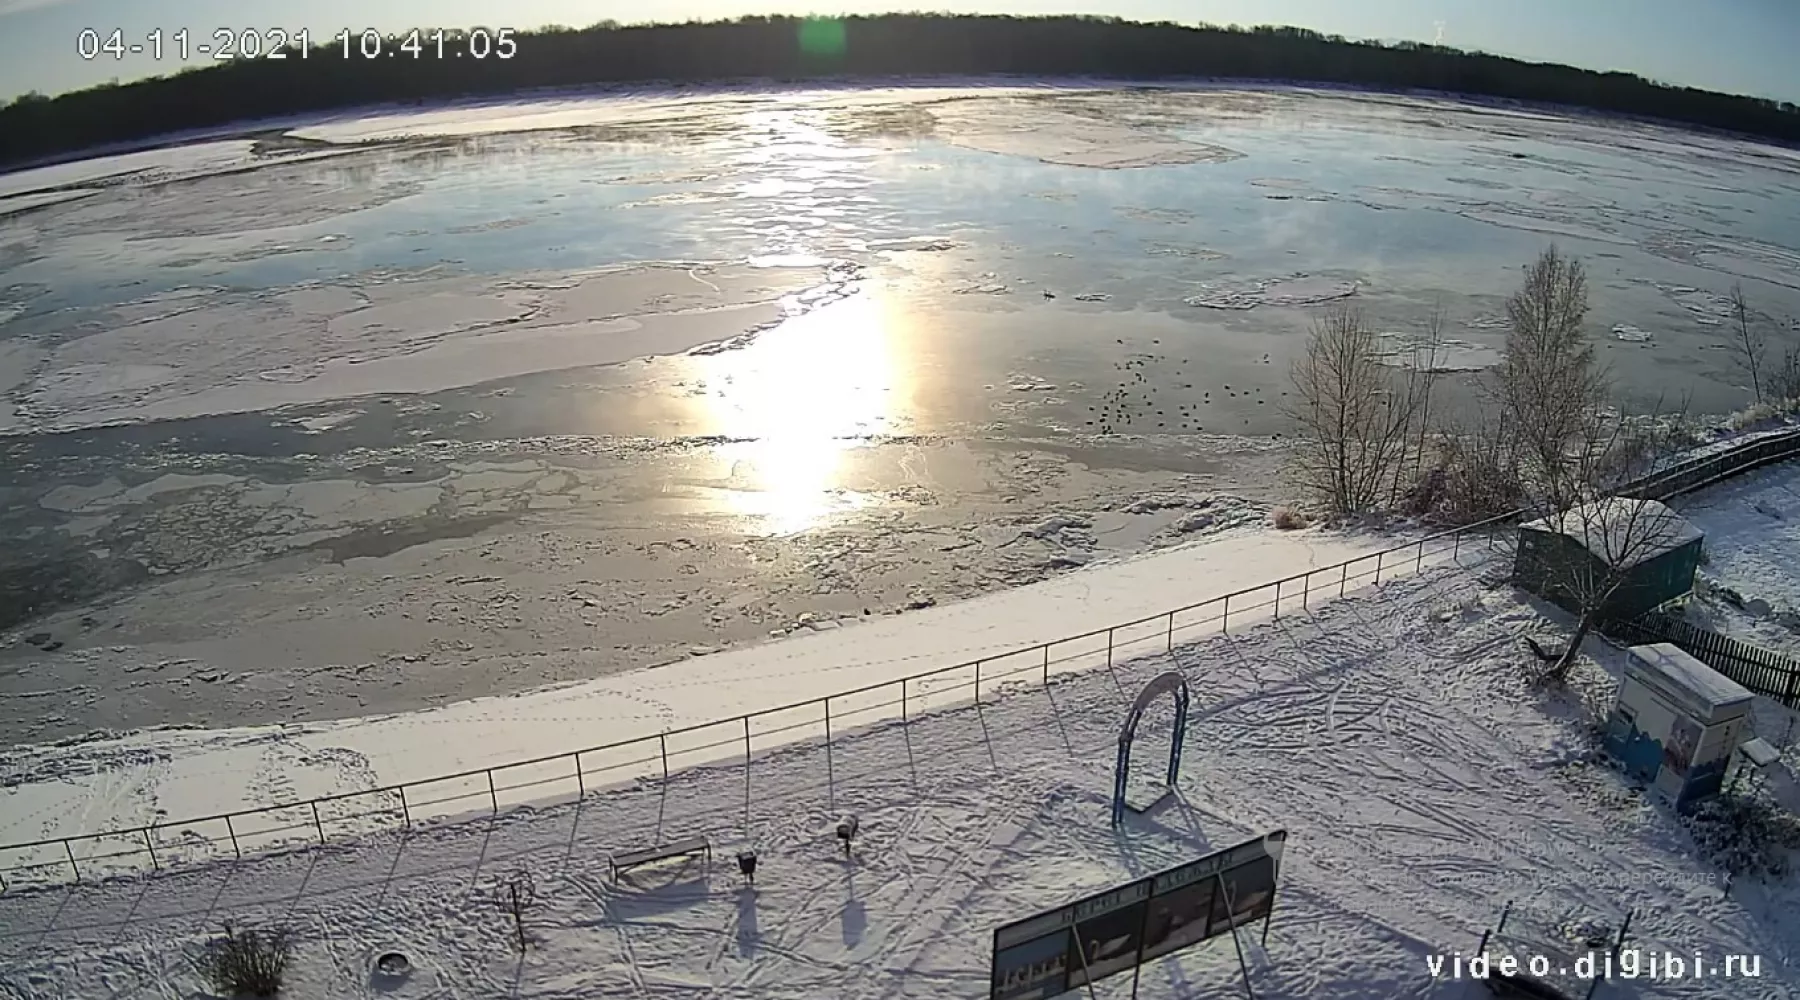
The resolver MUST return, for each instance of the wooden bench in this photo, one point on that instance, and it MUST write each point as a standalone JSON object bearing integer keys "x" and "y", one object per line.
{"x": 680, "y": 848}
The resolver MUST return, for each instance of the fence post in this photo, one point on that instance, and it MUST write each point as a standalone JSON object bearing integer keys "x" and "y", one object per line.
{"x": 1344, "y": 579}
{"x": 904, "y": 717}
{"x": 148, "y": 846}
{"x": 406, "y": 811}
{"x": 747, "y": 740}
{"x": 978, "y": 682}
{"x": 1277, "y": 600}
{"x": 492, "y": 793}
{"x": 1793, "y": 688}
{"x": 317, "y": 822}
{"x": 1378, "y": 556}
{"x": 1109, "y": 645}
{"x": 580, "y": 783}
{"x": 830, "y": 765}
{"x": 235, "y": 849}
{"x": 70, "y": 851}
{"x": 662, "y": 741}
{"x": 1455, "y": 545}
{"x": 1171, "y": 631}
{"x": 1225, "y": 619}
{"x": 1306, "y": 591}
{"x": 1420, "y": 562}
{"x": 1046, "y": 664}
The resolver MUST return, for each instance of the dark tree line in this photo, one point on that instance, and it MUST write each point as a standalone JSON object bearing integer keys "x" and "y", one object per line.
{"x": 35, "y": 127}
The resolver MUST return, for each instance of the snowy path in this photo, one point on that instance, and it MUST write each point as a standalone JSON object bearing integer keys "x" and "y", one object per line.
{"x": 1422, "y": 784}
{"x": 155, "y": 777}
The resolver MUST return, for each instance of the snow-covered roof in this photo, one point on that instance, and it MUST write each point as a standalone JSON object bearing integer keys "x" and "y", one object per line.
{"x": 1706, "y": 684}
{"x": 1621, "y": 531}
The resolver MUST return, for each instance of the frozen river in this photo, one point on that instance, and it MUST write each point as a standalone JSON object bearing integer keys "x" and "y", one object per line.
{"x": 402, "y": 408}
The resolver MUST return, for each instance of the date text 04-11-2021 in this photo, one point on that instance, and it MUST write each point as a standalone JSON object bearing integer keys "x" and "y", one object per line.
{"x": 277, "y": 43}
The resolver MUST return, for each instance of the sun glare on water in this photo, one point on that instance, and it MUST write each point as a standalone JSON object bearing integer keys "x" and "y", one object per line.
{"x": 803, "y": 396}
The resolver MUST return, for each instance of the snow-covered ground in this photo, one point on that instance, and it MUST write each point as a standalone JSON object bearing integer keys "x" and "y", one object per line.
{"x": 164, "y": 777}
{"x": 1423, "y": 785}
{"x": 1752, "y": 549}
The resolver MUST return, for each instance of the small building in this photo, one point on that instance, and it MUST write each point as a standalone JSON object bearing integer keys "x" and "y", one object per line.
{"x": 1648, "y": 550}
{"x": 1677, "y": 723}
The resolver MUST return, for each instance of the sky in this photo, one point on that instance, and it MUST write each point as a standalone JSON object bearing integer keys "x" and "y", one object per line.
{"x": 1738, "y": 46}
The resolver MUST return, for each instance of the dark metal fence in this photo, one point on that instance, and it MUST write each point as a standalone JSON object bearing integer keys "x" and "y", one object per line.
{"x": 1765, "y": 672}
{"x": 1694, "y": 474}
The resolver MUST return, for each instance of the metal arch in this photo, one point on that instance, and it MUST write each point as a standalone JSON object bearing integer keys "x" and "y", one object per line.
{"x": 1170, "y": 681}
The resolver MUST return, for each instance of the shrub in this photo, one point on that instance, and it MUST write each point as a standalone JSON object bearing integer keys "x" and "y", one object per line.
{"x": 1289, "y": 519}
{"x": 1745, "y": 831}
{"x": 1477, "y": 475}
{"x": 245, "y": 963}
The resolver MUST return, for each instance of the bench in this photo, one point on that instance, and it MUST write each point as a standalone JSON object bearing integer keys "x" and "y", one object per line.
{"x": 680, "y": 848}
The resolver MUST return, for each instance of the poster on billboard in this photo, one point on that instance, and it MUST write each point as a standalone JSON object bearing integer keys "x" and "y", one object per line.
{"x": 1035, "y": 969}
{"x": 1245, "y": 895}
{"x": 1070, "y": 946}
{"x": 1178, "y": 918}
{"x": 1108, "y": 943}
{"x": 1185, "y": 901}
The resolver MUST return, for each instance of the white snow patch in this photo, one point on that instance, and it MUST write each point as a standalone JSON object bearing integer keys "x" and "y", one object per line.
{"x": 1293, "y": 290}
{"x": 38, "y": 199}
{"x": 1410, "y": 351}
{"x": 184, "y": 356}
{"x": 581, "y": 110}
{"x": 1630, "y": 334}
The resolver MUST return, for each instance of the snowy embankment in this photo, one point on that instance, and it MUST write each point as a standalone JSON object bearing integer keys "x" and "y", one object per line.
{"x": 161, "y": 778}
{"x": 1750, "y": 578}
{"x": 1423, "y": 785}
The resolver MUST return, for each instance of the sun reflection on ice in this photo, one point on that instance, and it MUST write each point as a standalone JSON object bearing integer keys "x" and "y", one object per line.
{"x": 802, "y": 396}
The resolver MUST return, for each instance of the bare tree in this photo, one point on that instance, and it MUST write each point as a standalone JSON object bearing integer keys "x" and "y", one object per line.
{"x": 1783, "y": 378}
{"x": 1549, "y": 383}
{"x": 1355, "y": 415}
{"x": 515, "y": 894}
{"x": 1422, "y": 379}
{"x": 1747, "y": 345}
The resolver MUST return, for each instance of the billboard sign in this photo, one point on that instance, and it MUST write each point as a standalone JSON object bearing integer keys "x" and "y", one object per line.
{"x": 1110, "y": 932}
{"x": 1045, "y": 955}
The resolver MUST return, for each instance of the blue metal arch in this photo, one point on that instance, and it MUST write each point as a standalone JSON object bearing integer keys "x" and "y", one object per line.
{"x": 1168, "y": 682}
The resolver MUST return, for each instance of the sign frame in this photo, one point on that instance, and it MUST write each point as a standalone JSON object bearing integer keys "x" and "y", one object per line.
{"x": 1048, "y": 953}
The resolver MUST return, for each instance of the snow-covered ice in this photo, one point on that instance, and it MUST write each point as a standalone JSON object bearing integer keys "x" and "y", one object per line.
{"x": 317, "y": 344}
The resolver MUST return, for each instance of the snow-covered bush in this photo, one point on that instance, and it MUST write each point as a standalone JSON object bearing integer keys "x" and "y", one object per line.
{"x": 1477, "y": 474}
{"x": 1288, "y": 519}
{"x": 1746, "y": 831}
{"x": 245, "y": 963}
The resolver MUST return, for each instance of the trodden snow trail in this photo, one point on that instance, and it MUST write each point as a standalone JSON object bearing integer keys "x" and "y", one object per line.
{"x": 1408, "y": 833}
